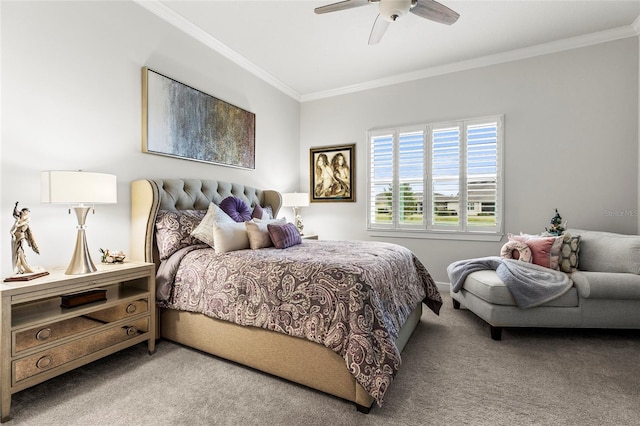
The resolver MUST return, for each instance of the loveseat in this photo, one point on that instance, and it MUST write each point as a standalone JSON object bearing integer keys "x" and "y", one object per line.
{"x": 605, "y": 291}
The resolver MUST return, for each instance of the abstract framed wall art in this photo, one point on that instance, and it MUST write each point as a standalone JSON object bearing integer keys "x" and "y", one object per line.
{"x": 183, "y": 122}
{"x": 332, "y": 173}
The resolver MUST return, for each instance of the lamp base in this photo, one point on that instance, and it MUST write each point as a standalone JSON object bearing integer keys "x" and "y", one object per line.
{"x": 81, "y": 262}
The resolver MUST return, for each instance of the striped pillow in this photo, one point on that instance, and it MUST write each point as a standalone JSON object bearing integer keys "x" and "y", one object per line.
{"x": 284, "y": 235}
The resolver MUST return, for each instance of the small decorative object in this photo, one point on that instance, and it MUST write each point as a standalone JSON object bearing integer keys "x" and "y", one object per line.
{"x": 557, "y": 227}
{"x": 295, "y": 200}
{"x": 76, "y": 299}
{"x": 332, "y": 173}
{"x": 22, "y": 237}
{"x": 112, "y": 256}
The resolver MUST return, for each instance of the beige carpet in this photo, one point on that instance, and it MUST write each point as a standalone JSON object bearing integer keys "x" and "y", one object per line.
{"x": 452, "y": 374}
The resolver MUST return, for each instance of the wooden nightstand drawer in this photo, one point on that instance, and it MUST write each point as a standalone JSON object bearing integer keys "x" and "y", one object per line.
{"x": 46, "y": 360}
{"x": 41, "y": 335}
{"x": 51, "y": 332}
{"x": 123, "y": 310}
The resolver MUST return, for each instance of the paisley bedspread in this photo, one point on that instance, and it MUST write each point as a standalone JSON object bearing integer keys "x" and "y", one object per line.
{"x": 350, "y": 296}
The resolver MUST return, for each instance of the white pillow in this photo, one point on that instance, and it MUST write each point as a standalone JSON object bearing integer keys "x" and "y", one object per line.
{"x": 230, "y": 236}
{"x": 258, "y": 234}
{"x": 204, "y": 231}
{"x": 269, "y": 220}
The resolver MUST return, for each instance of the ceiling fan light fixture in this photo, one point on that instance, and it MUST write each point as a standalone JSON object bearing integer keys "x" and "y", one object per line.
{"x": 392, "y": 10}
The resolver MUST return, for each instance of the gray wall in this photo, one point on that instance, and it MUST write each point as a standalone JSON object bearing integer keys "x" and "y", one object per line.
{"x": 571, "y": 142}
{"x": 70, "y": 81}
{"x": 71, "y": 99}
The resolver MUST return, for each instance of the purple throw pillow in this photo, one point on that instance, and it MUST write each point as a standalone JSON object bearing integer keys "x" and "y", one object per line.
{"x": 257, "y": 212}
{"x": 236, "y": 209}
{"x": 284, "y": 235}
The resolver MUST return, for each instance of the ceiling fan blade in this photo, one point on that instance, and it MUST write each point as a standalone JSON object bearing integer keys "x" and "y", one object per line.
{"x": 347, "y": 4}
{"x": 435, "y": 11}
{"x": 379, "y": 28}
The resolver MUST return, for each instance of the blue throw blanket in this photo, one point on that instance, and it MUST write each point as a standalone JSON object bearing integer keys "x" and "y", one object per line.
{"x": 530, "y": 284}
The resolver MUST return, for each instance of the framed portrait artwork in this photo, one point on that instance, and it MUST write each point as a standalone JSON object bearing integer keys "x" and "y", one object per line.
{"x": 332, "y": 173}
{"x": 182, "y": 122}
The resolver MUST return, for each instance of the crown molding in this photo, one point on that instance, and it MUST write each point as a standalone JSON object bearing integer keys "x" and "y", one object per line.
{"x": 514, "y": 55}
{"x": 178, "y": 21}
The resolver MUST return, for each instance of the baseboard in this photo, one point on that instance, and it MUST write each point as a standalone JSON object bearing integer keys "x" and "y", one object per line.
{"x": 443, "y": 286}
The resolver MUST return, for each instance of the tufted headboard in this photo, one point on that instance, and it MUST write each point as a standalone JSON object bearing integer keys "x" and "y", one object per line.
{"x": 148, "y": 196}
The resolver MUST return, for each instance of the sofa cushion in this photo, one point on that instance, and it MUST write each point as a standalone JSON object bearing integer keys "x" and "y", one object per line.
{"x": 607, "y": 285}
{"x": 487, "y": 286}
{"x": 608, "y": 252}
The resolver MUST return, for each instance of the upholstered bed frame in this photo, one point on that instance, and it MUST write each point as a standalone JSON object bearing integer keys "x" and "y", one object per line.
{"x": 272, "y": 352}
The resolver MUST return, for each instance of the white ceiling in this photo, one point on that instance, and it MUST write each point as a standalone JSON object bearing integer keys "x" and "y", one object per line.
{"x": 311, "y": 56}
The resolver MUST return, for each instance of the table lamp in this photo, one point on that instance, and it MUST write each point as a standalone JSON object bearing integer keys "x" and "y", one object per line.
{"x": 81, "y": 190}
{"x": 295, "y": 200}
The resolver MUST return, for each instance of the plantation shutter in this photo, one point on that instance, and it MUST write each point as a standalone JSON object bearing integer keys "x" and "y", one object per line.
{"x": 381, "y": 179}
{"x": 410, "y": 177}
{"x": 440, "y": 178}
{"x": 482, "y": 176}
{"x": 445, "y": 177}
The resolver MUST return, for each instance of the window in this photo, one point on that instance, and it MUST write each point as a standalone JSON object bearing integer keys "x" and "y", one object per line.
{"x": 420, "y": 176}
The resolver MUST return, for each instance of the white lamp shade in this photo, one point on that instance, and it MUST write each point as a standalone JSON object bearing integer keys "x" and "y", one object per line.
{"x": 73, "y": 187}
{"x": 295, "y": 199}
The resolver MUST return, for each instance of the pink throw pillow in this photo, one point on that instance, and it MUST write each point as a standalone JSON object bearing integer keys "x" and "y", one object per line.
{"x": 545, "y": 251}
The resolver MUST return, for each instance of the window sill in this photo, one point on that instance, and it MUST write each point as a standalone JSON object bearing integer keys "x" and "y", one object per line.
{"x": 436, "y": 235}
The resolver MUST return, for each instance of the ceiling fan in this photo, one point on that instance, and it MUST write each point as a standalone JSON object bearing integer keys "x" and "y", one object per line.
{"x": 392, "y": 10}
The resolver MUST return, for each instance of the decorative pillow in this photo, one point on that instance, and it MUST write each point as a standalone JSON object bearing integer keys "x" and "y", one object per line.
{"x": 268, "y": 211}
{"x": 516, "y": 250}
{"x": 230, "y": 236}
{"x": 280, "y": 221}
{"x": 173, "y": 230}
{"x": 258, "y": 235}
{"x": 569, "y": 253}
{"x": 236, "y": 209}
{"x": 204, "y": 231}
{"x": 284, "y": 235}
{"x": 545, "y": 251}
{"x": 257, "y": 212}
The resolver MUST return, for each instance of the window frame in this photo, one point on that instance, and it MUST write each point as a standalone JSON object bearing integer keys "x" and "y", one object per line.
{"x": 426, "y": 229}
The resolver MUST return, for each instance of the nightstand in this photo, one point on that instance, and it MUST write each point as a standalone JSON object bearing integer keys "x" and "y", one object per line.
{"x": 310, "y": 237}
{"x": 40, "y": 339}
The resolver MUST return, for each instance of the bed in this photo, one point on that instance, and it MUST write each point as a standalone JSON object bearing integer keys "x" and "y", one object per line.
{"x": 329, "y": 339}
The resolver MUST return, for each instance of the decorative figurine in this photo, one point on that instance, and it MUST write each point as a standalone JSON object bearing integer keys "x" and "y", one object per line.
{"x": 299, "y": 223}
{"x": 557, "y": 227}
{"x": 21, "y": 235}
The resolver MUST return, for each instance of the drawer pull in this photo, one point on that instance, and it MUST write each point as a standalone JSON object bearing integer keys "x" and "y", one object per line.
{"x": 131, "y": 308}
{"x": 43, "y": 334}
{"x": 131, "y": 331}
{"x": 44, "y": 362}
